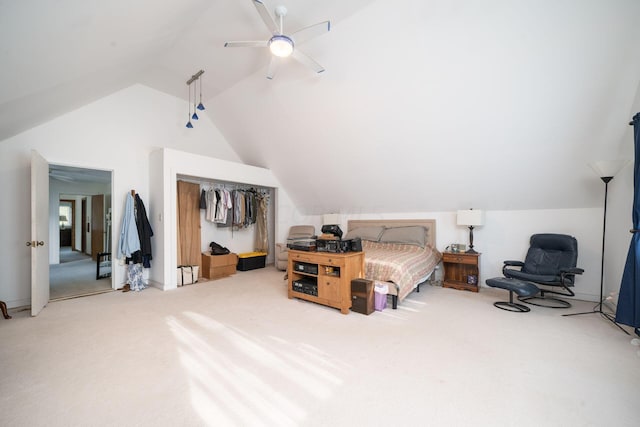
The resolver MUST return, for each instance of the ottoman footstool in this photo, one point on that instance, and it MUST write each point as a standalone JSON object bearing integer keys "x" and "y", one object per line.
{"x": 523, "y": 289}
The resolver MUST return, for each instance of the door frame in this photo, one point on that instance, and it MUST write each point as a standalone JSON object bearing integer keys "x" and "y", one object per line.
{"x": 85, "y": 196}
{"x": 73, "y": 222}
{"x": 40, "y": 233}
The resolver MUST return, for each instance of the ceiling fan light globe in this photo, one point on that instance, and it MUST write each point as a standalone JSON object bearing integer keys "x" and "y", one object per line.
{"x": 281, "y": 46}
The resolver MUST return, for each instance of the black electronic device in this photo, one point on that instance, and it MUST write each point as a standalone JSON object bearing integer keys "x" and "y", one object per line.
{"x": 332, "y": 229}
{"x": 306, "y": 285}
{"x": 355, "y": 245}
{"x": 304, "y": 267}
{"x": 324, "y": 245}
{"x": 339, "y": 246}
{"x": 308, "y": 245}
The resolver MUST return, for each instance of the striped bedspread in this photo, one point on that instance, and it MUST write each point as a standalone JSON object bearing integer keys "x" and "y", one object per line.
{"x": 404, "y": 265}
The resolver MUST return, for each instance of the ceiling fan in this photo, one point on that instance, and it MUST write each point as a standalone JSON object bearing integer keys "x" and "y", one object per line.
{"x": 282, "y": 45}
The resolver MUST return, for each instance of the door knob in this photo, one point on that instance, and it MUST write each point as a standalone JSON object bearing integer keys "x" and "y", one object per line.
{"x": 34, "y": 244}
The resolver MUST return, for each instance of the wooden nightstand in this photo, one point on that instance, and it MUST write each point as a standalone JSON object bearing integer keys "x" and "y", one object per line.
{"x": 461, "y": 271}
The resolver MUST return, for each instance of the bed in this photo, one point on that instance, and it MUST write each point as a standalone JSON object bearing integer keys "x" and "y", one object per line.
{"x": 399, "y": 253}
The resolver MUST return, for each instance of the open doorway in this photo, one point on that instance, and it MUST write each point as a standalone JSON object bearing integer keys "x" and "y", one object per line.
{"x": 80, "y": 232}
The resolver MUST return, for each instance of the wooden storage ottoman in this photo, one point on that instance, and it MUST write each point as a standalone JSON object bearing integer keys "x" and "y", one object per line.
{"x": 251, "y": 260}
{"x": 217, "y": 266}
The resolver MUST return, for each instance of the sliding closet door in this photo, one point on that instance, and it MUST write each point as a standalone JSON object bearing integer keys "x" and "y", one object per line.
{"x": 189, "y": 247}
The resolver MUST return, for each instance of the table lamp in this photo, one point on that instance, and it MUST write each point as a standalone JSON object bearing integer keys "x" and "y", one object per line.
{"x": 471, "y": 218}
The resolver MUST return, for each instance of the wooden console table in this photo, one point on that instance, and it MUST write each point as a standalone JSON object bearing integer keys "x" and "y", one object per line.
{"x": 327, "y": 277}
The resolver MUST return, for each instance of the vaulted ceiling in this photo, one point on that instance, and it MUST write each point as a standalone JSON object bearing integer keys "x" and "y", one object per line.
{"x": 495, "y": 104}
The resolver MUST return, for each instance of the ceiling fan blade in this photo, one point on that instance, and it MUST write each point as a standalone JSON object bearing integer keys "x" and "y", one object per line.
{"x": 61, "y": 177}
{"x": 266, "y": 17}
{"x": 307, "y": 33}
{"x": 306, "y": 60}
{"x": 262, "y": 43}
{"x": 273, "y": 66}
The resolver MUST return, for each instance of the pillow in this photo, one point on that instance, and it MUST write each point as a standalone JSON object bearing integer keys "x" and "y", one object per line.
{"x": 411, "y": 235}
{"x": 365, "y": 233}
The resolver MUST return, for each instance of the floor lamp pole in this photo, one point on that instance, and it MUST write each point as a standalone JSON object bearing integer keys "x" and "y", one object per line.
{"x": 607, "y": 316}
{"x": 606, "y": 180}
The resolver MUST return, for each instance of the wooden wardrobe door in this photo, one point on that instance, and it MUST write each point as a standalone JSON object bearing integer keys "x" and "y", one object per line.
{"x": 189, "y": 246}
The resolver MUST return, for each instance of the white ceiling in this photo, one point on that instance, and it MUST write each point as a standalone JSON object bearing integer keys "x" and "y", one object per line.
{"x": 495, "y": 104}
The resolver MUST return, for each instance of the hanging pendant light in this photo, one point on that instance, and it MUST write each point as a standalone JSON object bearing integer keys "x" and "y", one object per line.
{"x": 194, "y": 79}
{"x": 195, "y": 115}
{"x": 189, "y": 125}
{"x": 200, "y": 105}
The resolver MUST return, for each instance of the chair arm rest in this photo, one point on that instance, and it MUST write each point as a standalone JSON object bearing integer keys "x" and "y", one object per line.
{"x": 574, "y": 270}
{"x": 514, "y": 263}
{"x": 281, "y": 248}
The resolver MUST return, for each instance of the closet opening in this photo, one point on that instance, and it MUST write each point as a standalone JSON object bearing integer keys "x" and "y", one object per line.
{"x": 238, "y": 216}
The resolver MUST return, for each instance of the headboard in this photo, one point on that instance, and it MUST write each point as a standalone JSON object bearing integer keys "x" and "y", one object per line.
{"x": 429, "y": 224}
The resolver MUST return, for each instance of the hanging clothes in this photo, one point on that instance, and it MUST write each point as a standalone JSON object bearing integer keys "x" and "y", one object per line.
{"x": 262, "y": 235}
{"x": 211, "y": 202}
{"x": 238, "y": 207}
{"x": 129, "y": 240}
{"x": 144, "y": 233}
{"x": 225, "y": 204}
{"x": 203, "y": 199}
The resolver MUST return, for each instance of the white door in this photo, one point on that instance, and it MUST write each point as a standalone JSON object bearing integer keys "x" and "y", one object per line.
{"x": 39, "y": 232}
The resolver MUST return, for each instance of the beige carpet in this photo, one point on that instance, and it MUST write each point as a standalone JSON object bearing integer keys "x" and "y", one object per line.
{"x": 76, "y": 276}
{"x": 237, "y": 352}
{"x": 68, "y": 255}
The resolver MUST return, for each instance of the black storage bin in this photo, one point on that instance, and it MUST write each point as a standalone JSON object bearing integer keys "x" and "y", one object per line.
{"x": 251, "y": 261}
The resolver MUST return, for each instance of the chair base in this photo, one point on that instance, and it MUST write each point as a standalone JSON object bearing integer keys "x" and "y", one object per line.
{"x": 511, "y": 306}
{"x": 523, "y": 289}
{"x": 553, "y": 302}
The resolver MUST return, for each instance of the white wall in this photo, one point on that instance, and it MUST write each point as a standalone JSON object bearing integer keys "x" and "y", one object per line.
{"x": 116, "y": 133}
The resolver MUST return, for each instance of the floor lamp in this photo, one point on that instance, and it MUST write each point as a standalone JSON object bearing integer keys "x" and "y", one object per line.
{"x": 606, "y": 170}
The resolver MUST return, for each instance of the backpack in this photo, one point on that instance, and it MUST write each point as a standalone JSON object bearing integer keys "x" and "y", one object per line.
{"x": 217, "y": 249}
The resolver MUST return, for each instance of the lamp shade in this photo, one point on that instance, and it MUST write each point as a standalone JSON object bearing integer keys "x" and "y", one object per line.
{"x": 331, "y": 219}
{"x": 471, "y": 217}
{"x": 63, "y": 218}
{"x": 608, "y": 168}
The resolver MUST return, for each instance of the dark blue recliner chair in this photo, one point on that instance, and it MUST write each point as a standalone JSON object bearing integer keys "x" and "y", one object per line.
{"x": 551, "y": 265}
